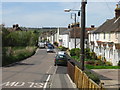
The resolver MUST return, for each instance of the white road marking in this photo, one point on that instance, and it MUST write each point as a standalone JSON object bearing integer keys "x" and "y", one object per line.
{"x": 20, "y": 84}
{"x": 48, "y": 78}
{"x": 37, "y": 50}
{"x": 74, "y": 86}
{"x": 53, "y": 76}
{"x": 49, "y": 69}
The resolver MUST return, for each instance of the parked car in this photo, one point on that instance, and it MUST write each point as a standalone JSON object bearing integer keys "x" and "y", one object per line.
{"x": 41, "y": 44}
{"x": 61, "y": 59}
{"x": 50, "y": 49}
{"x": 50, "y": 45}
{"x": 61, "y": 52}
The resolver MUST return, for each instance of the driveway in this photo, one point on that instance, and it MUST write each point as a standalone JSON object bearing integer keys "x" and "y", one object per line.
{"x": 110, "y": 77}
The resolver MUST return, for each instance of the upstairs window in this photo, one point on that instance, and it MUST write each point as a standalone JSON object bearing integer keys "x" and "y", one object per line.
{"x": 109, "y": 36}
{"x": 104, "y": 36}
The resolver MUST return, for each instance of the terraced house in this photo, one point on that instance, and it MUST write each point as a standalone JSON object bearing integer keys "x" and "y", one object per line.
{"x": 105, "y": 40}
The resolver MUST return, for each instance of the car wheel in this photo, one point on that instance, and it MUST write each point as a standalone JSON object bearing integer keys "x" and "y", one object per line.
{"x": 55, "y": 64}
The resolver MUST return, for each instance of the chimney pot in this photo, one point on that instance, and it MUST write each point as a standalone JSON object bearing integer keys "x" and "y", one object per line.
{"x": 117, "y": 10}
{"x": 92, "y": 26}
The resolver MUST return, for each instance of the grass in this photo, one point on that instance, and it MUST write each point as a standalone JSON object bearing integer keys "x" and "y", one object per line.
{"x": 15, "y": 54}
{"x": 102, "y": 67}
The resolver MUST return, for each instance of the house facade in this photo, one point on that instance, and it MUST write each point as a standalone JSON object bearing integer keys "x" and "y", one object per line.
{"x": 105, "y": 41}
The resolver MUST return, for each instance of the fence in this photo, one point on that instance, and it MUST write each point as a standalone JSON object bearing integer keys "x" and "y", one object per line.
{"x": 81, "y": 80}
{"x": 71, "y": 70}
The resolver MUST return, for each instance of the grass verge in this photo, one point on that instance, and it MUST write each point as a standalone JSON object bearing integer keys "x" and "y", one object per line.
{"x": 102, "y": 67}
{"x": 15, "y": 54}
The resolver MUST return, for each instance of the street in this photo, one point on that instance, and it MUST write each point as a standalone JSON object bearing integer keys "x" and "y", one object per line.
{"x": 37, "y": 71}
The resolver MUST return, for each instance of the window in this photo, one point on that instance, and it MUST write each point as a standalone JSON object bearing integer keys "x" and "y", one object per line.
{"x": 116, "y": 35}
{"x": 109, "y": 36}
{"x": 104, "y": 35}
{"x": 98, "y": 36}
{"x": 61, "y": 57}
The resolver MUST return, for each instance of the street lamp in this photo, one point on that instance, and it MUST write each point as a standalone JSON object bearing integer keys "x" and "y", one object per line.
{"x": 74, "y": 28}
{"x": 68, "y": 10}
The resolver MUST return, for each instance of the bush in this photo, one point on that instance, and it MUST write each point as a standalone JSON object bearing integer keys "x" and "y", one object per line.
{"x": 99, "y": 57}
{"x": 108, "y": 63}
{"x": 93, "y": 55}
{"x": 56, "y": 44}
{"x": 61, "y": 48}
{"x": 90, "y": 62}
{"x": 75, "y": 52}
{"x": 99, "y": 62}
{"x": 76, "y": 58}
{"x": 19, "y": 38}
{"x": 87, "y": 53}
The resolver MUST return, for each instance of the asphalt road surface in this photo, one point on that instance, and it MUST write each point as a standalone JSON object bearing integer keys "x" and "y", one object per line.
{"x": 37, "y": 71}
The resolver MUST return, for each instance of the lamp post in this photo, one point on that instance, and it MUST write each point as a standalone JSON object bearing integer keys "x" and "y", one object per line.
{"x": 84, "y": 2}
{"x": 74, "y": 28}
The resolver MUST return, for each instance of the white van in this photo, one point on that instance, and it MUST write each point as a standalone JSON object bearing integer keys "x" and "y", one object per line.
{"x": 41, "y": 45}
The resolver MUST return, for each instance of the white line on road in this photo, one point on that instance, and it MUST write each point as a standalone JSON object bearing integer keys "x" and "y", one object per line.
{"x": 46, "y": 82}
{"x": 37, "y": 50}
{"x": 74, "y": 86}
{"x": 48, "y": 78}
{"x": 53, "y": 76}
{"x": 49, "y": 69}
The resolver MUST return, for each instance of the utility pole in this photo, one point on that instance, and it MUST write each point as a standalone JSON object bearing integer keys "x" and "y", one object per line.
{"x": 74, "y": 26}
{"x": 75, "y": 29}
{"x": 83, "y": 3}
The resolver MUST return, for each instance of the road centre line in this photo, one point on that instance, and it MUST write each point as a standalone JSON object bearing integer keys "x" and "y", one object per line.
{"x": 49, "y": 69}
{"x": 53, "y": 76}
{"x": 48, "y": 78}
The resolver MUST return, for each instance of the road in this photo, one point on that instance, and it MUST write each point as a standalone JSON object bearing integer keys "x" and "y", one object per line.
{"x": 37, "y": 71}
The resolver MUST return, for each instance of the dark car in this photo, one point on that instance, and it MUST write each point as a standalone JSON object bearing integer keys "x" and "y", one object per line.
{"x": 61, "y": 59}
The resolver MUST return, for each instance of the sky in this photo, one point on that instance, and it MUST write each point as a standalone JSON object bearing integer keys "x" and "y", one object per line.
{"x": 51, "y": 14}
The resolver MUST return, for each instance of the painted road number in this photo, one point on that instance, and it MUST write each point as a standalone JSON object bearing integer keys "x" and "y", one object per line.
{"x": 21, "y": 84}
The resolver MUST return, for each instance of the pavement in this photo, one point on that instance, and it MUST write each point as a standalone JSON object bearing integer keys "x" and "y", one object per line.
{"x": 110, "y": 77}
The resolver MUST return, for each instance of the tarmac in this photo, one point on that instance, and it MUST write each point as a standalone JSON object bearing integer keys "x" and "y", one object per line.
{"x": 110, "y": 78}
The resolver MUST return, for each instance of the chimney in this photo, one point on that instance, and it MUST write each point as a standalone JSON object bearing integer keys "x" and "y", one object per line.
{"x": 117, "y": 10}
{"x": 92, "y": 26}
{"x": 13, "y": 26}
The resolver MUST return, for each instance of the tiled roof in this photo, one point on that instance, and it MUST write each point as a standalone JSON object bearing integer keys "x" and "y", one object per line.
{"x": 61, "y": 30}
{"x": 112, "y": 25}
{"x": 76, "y": 33}
{"x": 66, "y": 32}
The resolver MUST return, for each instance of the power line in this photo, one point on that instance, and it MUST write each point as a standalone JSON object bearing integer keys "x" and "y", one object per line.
{"x": 109, "y": 8}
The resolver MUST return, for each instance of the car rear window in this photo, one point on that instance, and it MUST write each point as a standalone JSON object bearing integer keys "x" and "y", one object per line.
{"x": 61, "y": 57}
{"x": 50, "y": 47}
